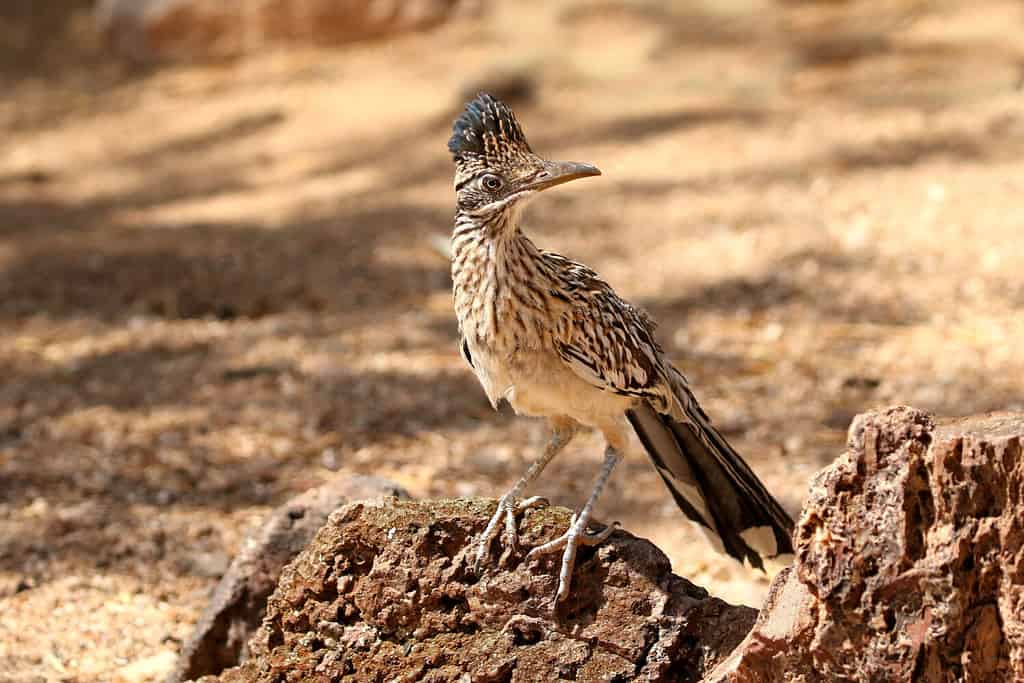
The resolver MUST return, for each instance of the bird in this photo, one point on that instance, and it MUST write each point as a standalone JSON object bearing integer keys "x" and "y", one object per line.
{"x": 548, "y": 336}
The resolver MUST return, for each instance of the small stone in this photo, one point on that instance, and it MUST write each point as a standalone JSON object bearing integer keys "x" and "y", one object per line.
{"x": 151, "y": 668}
{"x": 210, "y": 565}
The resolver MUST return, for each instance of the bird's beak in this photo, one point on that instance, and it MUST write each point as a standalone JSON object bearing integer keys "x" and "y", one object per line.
{"x": 558, "y": 172}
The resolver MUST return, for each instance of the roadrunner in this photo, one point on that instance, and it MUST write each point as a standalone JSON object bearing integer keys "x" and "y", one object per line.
{"x": 551, "y": 338}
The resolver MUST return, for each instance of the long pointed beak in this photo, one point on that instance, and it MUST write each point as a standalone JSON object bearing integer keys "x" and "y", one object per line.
{"x": 558, "y": 172}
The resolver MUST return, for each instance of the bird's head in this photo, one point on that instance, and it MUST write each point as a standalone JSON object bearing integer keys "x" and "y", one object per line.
{"x": 495, "y": 169}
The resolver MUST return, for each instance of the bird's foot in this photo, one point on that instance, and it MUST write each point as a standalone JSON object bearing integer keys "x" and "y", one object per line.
{"x": 575, "y": 536}
{"x": 509, "y": 507}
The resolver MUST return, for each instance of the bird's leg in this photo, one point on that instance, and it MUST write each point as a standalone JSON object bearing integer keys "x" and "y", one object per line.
{"x": 577, "y": 533}
{"x": 509, "y": 506}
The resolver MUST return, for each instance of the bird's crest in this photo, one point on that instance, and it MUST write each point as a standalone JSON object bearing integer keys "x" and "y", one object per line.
{"x": 487, "y": 134}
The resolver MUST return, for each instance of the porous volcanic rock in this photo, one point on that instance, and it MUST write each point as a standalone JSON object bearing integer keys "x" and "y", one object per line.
{"x": 910, "y": 560}
{"x": 199, "y": 29}
{"x": 385, "y": 593}
{"x": 239, "y": 601}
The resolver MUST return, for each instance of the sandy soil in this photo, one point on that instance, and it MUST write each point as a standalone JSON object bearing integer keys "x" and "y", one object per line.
{"x": 219, "y": 283}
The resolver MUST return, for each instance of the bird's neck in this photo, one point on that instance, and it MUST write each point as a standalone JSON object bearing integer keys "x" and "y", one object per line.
{"x": 494, "y": 266}
{"x": 493, "y": 233}
{"x": 492, "y": 244}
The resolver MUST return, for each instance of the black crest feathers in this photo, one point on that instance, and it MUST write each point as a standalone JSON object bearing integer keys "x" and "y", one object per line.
{"x": 486, "y": 128}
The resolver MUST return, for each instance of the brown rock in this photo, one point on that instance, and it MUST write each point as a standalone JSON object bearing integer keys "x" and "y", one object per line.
{"x": 190, "y": 29}
{"x": 238, "y": 602}
{"x": 384, "y": 593}
{"x": 910, "y": 560}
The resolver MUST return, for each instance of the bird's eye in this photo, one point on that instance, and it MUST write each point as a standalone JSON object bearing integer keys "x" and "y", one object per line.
{"x": 492, "y": 182}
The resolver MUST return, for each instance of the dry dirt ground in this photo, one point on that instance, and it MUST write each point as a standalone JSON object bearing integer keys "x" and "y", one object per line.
{"x": 220, "y": 282}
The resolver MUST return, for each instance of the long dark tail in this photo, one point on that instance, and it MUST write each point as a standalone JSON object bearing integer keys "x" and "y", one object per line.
{"x": 712, "y": 484}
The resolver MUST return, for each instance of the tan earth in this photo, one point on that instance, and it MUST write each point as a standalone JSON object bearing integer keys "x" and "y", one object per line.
{"x": 219, "y": 282}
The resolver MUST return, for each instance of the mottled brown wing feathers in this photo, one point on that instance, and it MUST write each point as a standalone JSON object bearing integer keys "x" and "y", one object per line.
{"x": 603, "y": 339}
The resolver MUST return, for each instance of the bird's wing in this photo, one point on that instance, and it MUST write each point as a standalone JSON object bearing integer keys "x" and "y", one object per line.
{"x": 605, "y": 340}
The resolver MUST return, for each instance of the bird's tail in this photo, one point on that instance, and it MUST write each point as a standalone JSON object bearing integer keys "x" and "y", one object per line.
{"x": 711, "y": 483}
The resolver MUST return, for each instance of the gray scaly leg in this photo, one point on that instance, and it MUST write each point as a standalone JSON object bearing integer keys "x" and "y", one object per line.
{"x": 577, "y": 533}
{"x": 509, "y": 506}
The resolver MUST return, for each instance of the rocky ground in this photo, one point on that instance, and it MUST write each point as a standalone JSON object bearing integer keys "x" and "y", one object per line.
{"x": 220, "y": 282}
{"x": 908, "y": 565}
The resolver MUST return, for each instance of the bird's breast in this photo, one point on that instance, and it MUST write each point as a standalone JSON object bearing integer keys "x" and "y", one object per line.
{"x": 501, "y": 303}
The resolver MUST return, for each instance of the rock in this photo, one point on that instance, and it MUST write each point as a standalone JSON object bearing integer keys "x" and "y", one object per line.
{"x": 239, "y": 600}
{"x": 209, "y": 565}
{"x": 196, "y": 29}
{"x": 909, "y": 560}
{"x": 384, "y": 593}
{"x": 909, "y": 566}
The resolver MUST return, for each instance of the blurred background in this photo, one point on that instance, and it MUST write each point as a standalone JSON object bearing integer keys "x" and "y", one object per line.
{"x": 223, "y": 274}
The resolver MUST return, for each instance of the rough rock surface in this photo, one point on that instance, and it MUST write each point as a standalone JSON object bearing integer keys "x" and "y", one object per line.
{"x": 910, "y": 560}
{"x": 238, "y": 602}
{"x": 384, "y": 592}
{"x": 161, "y": 29}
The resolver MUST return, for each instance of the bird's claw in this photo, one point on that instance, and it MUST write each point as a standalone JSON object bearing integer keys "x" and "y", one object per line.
{"x": 509, "y": 507}
{"x": 576, "y": 535}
